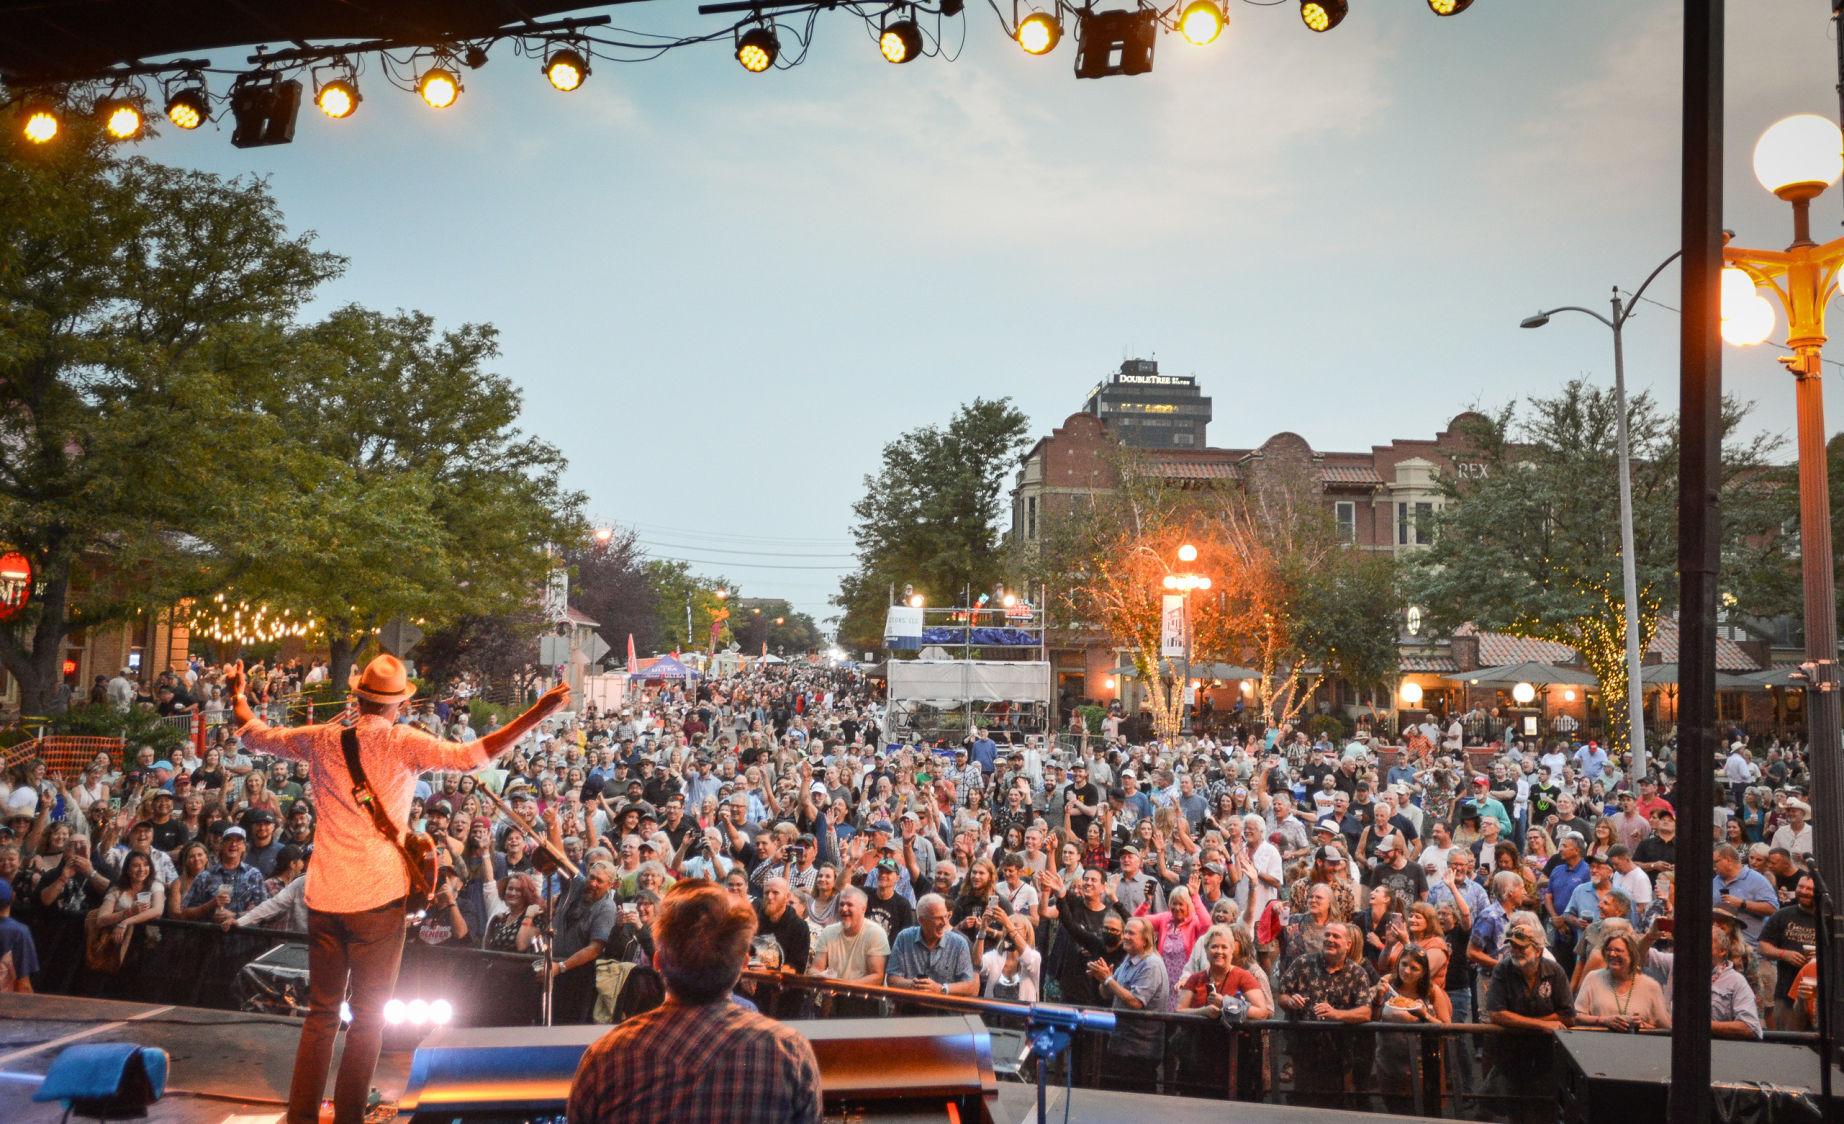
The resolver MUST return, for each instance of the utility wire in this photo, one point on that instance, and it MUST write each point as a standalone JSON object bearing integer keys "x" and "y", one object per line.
{"x": 1776, "y": 343}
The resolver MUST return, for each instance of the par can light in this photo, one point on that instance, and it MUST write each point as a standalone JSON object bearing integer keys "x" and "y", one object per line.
{"x": 1323, "y": 15}
{"x": 1201, "y": 22}
{"x": 1039, "y": 33}
{"x": 757, "y": 49}
{"x": 189, "y": 108}
{"x": 121, "y": 118}
{"x": 338, "y": 99}
{"x": 439, "y": 88}
{"x": 566, "y": 69}
{"x": 1449, "y": 7}
{"x": 40, "y": 122}
{"x": 900, "y": 41}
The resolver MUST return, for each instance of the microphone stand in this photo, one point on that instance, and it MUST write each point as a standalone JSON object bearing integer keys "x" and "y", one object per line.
{"x": 558, "y": 860}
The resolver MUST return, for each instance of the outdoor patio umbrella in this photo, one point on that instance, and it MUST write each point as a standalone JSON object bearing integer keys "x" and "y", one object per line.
{"x": 1530, "y": 671}
{"x": 1666, "y": 675}
{"x": 1790, "y": 677}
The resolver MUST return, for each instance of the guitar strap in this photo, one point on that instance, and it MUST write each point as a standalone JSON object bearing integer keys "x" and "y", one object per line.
{"x": 368, "y": 800}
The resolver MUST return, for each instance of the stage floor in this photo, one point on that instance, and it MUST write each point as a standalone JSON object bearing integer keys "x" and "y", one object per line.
{"x": 232, "y": 1068}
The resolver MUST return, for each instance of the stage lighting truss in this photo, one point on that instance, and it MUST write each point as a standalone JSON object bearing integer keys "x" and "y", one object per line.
{"x": 767, "y": 34}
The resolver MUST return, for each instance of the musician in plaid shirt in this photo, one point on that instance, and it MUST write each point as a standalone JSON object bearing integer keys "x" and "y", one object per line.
{"x": 699, "y": 1057}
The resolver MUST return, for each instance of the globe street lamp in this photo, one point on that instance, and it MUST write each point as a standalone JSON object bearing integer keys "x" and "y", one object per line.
{"x": 1797, "y": 159}
{"x": 1629, "y": 563}
{"x": 1184, "y": 584}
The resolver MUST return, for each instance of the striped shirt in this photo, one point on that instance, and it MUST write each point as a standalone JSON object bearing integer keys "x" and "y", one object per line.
{"x": 714, "y": 1064}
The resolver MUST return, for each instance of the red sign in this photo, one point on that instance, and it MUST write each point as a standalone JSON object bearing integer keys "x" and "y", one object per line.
{"x": 15, "y": 583}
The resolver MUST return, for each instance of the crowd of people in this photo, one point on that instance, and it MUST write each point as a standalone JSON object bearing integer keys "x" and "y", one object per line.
{"x": 1252, "y": 874}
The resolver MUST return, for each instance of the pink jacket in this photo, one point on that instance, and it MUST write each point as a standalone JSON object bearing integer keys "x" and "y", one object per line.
{"x": 1192, "y": 929}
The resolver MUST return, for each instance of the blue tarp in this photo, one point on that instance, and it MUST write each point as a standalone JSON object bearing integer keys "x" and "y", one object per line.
{"x": 993, "y": 637}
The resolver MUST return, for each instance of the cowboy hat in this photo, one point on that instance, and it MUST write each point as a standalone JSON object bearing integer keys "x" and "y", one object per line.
{"x": 384, "y": 680}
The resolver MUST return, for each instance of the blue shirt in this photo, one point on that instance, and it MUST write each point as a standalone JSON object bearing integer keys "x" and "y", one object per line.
{"x": 1750, "y": 886}
{"x": 16, "y": 942}
{"x": 1592, "y": 759}
{"x": 984, "y": 754}
{"x": 1562, "y": 883}
{"x": 246, "y": 883}
{"x": 949, "y": 962}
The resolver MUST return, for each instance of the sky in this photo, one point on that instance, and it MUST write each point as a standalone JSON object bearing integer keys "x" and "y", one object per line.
{"x": 722, "y": 293}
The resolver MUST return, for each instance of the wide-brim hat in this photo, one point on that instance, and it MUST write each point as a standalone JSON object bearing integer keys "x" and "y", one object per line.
{"x": 384, "y": 680}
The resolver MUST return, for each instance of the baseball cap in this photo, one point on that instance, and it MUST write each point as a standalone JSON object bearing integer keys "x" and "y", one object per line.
{"x": 163, "y": 763}
{"x": 1214, "y": 868}
{"x": 1130, "y": 847}
{"x": 234, "y": 832}
{"x": 1327, "y": 823}
{"x": 887, "y": 864}
{"x": 1327, "y": 855}
{"x": 883, "y": 826}
{"x": 1386, "y": 844}
{"x": 258, "y": 815}
{"x": 1521, "y": 935}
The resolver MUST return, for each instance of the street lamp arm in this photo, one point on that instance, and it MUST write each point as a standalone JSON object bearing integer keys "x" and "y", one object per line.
{"x": 1577, "y": 308}
{"x": 1643, "y": 285}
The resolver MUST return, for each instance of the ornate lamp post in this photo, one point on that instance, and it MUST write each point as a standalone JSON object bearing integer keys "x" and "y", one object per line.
{"x": 1797, "y": 159}
{"x": 1184, "y": 583}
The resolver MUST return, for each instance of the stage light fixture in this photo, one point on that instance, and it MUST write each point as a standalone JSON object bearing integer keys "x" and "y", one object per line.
{"x": 1039, "y": 33}
{"x": 1201, "y": 22}
{"x": 1117, "y": 42}
{"x": 757, "y": 49}
{"x": 189, "y": 108}
{"x": 439, "y": 87}
{"x": 338, "y": 99}
{"x": 396, "y": 1012}
{"x": 122, "y": 117}
{"x": 39, "y": 122}
{"x": 900, "y": 41}
{"x": 566, "y": 68}
{"x": 264, "y": 112}
{"x": 1449, "y": 7}
{"x": 1323, "y": 15}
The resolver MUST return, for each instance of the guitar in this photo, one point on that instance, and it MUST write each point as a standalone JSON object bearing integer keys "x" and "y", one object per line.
{"x": 416, "y": 848}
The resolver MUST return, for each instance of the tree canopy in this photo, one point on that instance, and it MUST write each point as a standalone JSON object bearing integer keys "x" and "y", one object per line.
{"x": 929, "y": 517}
{"x": 169, "y": 431}
{"x": 1530, "y": 544}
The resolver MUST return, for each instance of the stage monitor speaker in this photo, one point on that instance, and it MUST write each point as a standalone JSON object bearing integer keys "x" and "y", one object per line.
{"x": 1627, "y": 1077}
{"x": 910, "y": 1068}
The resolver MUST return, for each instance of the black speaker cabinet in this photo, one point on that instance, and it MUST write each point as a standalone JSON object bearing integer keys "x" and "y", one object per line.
{"x": 1627, "y": 1077}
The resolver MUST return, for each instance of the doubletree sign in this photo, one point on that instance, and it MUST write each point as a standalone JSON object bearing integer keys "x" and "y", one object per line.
{"x": 15, "y": 583}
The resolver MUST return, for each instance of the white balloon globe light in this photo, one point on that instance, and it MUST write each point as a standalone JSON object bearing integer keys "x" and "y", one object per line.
{"x": 1799, "y": 156}
{"x": 1750, "y": 324}
{"x": 1523, "y": 693}
{"x": 1411, "y": 694}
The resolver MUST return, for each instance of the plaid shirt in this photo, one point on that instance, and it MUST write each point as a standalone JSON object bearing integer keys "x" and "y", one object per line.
{"x": 246, "y": 883}
{"x": 715, "y": 1063}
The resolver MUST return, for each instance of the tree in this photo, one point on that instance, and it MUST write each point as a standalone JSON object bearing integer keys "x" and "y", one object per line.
{"x": 674, "y": 586}
{"x": 771, "y": 621}
{"x": 414, "y": 493}
{"x": 1287, "y": 598}
{"x": 610, "y": 583}
{"x": 133, "y": 468}
{"x": 930, "y": 516}
{"x": 1530, "y": 543}
{"x": 500, "y": 647}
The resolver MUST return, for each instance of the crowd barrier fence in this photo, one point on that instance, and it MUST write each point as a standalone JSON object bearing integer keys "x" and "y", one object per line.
{"x": 1445, "y": 1070}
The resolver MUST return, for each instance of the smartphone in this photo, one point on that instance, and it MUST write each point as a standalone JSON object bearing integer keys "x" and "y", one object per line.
{"x": 1667, "y": 925}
